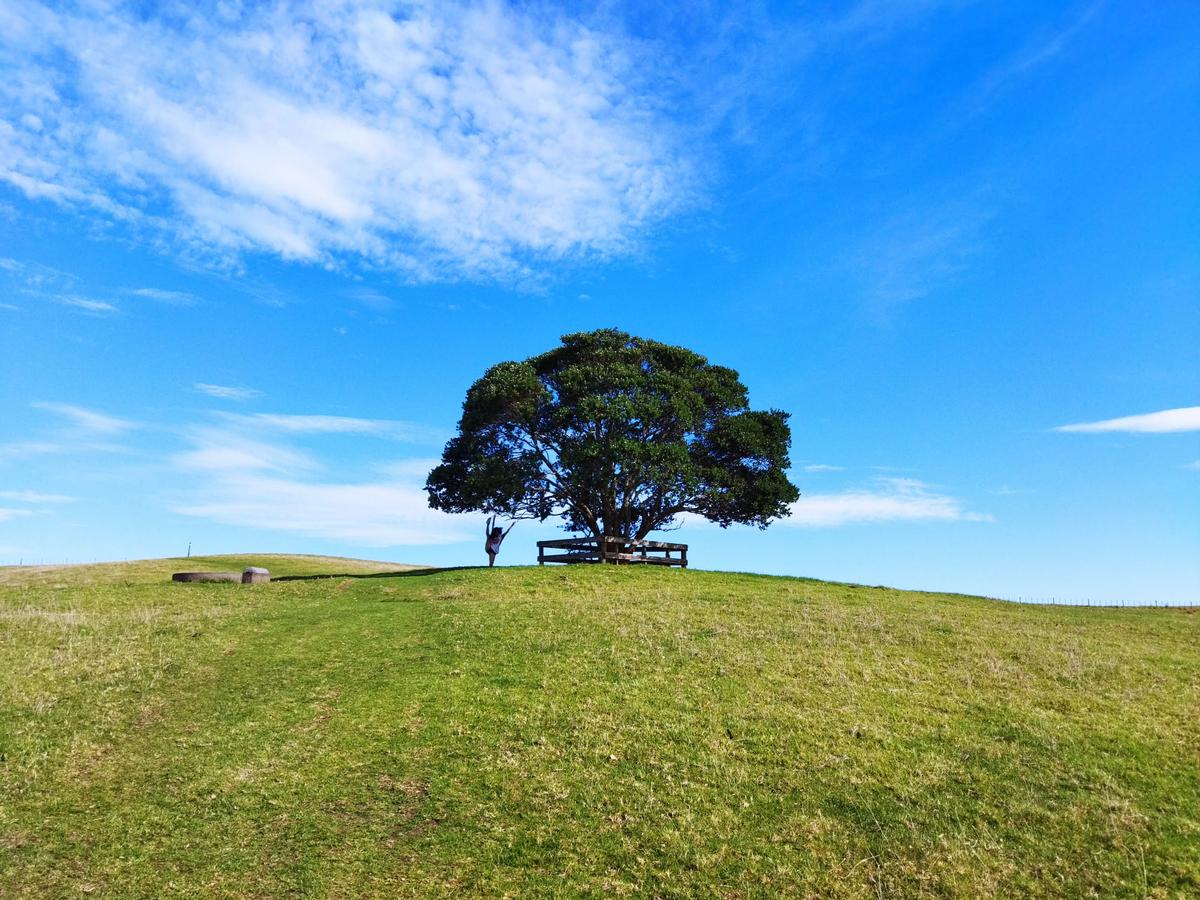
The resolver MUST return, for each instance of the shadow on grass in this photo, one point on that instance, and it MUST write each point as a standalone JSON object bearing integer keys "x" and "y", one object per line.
{"x": 406, "y": 573}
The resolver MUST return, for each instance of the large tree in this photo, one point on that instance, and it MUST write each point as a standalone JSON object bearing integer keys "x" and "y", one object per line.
{"x": 618, "y": 435}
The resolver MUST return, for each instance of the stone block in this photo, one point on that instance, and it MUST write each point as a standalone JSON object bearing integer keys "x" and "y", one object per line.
{"x": 255, "y": 575}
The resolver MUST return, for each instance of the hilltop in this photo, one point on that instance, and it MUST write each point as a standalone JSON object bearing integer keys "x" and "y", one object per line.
{"x": 393, "y": 730}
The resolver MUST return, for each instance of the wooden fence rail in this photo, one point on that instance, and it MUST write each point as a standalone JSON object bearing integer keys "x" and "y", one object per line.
{"x": 622, "y": 551}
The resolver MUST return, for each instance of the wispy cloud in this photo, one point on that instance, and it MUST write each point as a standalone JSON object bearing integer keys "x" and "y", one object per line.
{"x": 82, "y": 429}
{"x": 1195, "y": 466}
{"x": 25, "y": 449}
{"x": 822, "y": 467}
{"x": 1038, "y": 51}
{"x": 6, "y": 513}
{"x": 321, "y": 424}
{"x": 1005, "y": 491}
{"x": 218, "y": 450}
{"x": 87, "y": 420}
{"x": 408, "y": 469}
{"x": 376, "y": 514}
{"x": 262, "y": 484}
{"x": 87, "y": 305}
{"x": 35, "y": 497}
{"x": 919, "y": 251}
{"x": 41, "y": 282}
{"x": 371, "y": 299}
{"x": 226, "y": 392}
{"x": 170, "y": 298}
{"x": 46, "y": 283}
{"x": 443, "y": 140}
{"x": 891, "y": 500}
{"x": 1185, "y": 418}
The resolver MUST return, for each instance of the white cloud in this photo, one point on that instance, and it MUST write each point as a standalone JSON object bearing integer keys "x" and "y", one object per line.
{"x": 7, "y": 514}
{"x": 87, "y": 420}
{"x": 218, "y": 450}
{"x": 25, "y": 449}
{"x": 250, "y": 444}
{"x": 894, "y": 500}
{"x": 377, "y": 514}
{"x": 225, "y": 392}
{"x": 822, "y": 467}
{"x": 85, "y": 430}
{"x": 36, "y": 280}
{"x": 439, "y": 139}
{"x": 919, "y": 251}
{"x": 91, "y": 306}
{"x": 371, "y": 299}
{"x": 408, "y": 469}
{"x": 259, "y": 484}
{"x": 1186, "y": 418}
{"x": 317, "y": 424}
{"x": 1040, "y": 50}
{"x": 320, "y": 424}
{"x": 35, "y": 497}
{"x": 171, "y": 298}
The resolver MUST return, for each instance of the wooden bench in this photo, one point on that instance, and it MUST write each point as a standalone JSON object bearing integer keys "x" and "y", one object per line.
{"x": 621, "y": 551}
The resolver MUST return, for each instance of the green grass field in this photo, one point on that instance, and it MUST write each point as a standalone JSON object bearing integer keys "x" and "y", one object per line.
{"x": 540, "y": 732}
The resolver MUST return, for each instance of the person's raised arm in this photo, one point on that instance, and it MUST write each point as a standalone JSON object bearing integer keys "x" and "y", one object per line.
{"x": 509, "y": 528}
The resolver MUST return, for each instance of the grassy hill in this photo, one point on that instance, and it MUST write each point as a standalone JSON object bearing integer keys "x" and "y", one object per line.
{"x": 586, "y": 730}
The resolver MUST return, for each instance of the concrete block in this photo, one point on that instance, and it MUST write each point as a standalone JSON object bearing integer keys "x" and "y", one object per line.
{"x": 255, "y": 575}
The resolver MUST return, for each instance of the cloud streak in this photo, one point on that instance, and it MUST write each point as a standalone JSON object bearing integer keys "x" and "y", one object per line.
{"x": 35, "y": 497}
{"x": 894, "y": 500}
{"x": 376, "y": 514}
{"x": 919, "y": 252}
{"x": 84, "y": 431}
{"x": 1167, "y": 421}
{"x": 95, "y": 307}
{"x": 1036, "y": 53}
{"x": 321, "y": 424}
{"x": 256, "y": 483}
{"x": 440, "y": 140}
{"x": 170, "y": 298}
{"x": 88, "y": 420}
{"x": 218, "y": 450}
{"x": 226, "y": 392}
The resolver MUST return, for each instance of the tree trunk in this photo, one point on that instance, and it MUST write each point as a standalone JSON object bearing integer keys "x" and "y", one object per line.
{"x": 604, "y": 545}
{"x": 616, "y": 547}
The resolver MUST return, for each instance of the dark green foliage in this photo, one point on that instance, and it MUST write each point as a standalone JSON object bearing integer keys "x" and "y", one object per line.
{"x": 618, "y": 435}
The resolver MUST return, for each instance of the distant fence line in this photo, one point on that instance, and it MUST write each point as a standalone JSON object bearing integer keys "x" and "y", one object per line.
{"x": 1120, "y": 604}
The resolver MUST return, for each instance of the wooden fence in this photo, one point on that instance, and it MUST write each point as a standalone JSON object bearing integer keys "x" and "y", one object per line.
{"x": 622, "y": 551}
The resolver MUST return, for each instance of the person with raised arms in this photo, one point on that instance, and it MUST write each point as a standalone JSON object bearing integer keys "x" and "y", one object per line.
{"x": 495, "y": 536}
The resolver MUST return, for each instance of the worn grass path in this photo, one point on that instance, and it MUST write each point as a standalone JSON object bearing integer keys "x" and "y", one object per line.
{"x": 561, "y": 732}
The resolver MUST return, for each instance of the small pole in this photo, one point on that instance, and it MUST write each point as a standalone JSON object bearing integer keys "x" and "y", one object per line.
{"x": 189, "y": 556}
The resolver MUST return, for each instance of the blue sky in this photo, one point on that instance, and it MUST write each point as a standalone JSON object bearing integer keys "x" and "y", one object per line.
{"x": 251, "y": 258}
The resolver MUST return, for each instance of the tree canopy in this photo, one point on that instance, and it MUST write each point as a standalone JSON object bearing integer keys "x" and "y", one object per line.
{"x": 618, "y": 435}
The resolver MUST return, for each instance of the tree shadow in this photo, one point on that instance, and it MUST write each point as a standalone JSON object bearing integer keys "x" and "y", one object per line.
{"x": 405, "y": 573}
